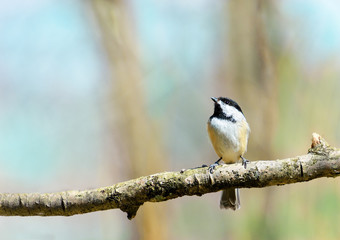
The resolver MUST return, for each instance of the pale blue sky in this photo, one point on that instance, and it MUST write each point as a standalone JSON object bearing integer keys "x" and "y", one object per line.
{"x": 315, "y": 27}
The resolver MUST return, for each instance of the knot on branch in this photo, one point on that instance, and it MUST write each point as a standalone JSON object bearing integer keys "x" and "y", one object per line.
{"x": 130, "y": 210}
{"x": 320, "y": 146}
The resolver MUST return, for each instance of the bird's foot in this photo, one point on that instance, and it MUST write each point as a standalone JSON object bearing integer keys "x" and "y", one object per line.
{"x": 212, "y": 167}
{"x": 244, "y": 162}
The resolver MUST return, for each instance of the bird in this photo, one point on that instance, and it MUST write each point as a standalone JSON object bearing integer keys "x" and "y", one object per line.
{"x": 228, "y": 131}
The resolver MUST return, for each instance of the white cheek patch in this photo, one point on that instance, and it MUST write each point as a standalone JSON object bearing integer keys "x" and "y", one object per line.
{"x": 232, "y": 111}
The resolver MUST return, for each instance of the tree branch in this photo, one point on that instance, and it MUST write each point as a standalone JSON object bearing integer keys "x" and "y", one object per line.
{"x": 321, "y": 161}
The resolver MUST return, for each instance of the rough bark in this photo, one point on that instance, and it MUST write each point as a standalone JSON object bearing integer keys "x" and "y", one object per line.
{"x": 321, "y": 161}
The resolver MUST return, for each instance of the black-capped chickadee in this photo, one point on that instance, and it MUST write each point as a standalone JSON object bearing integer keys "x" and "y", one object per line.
{"x": 228, "y": 131}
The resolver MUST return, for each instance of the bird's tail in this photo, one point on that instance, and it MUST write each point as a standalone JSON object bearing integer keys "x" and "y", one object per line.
{"x": 230, "y": 199}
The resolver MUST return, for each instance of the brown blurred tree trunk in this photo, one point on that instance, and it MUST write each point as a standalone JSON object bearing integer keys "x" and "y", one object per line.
{"x": 250, "y": 70}
{"x": 137, "y": 134}
{"x": 251, "y": 74}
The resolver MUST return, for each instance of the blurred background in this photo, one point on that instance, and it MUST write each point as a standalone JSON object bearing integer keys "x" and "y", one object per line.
{"x": 97, "y": 92}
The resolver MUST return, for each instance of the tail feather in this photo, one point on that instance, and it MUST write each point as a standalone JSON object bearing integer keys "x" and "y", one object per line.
{"x": 230, "y": 199}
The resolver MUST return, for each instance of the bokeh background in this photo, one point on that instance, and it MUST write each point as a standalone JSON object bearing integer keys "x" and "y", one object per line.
{"x": 97, "y": 92}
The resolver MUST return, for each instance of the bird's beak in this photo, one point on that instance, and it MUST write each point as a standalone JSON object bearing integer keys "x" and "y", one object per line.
{"x": 214, "y": 99}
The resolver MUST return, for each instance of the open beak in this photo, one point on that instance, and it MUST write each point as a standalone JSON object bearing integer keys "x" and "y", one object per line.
{"x": 214, "y": 99}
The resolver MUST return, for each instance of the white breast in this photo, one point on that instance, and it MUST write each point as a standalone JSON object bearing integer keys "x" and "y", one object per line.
{"x": 226, "y": 138}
